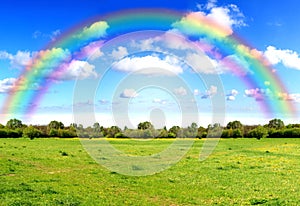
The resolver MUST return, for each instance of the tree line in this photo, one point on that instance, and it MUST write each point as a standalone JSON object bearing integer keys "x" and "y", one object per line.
{"x": 276, "y": 128}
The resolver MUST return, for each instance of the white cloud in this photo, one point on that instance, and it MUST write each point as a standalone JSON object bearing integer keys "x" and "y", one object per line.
{"x": 119, "y": 53}
{"x": 180, "y": 91}
{"x": 103, "y": 101}
{"x": 210, "y": 4}
{"x": 231, "y": 96}
{"x": 259, "y": 94}
{"x": 149, "y": 65}
{"x": 5, "y": 55}
{"x": 96, "y": 30}
{"x": 159, "y": 101}
{"x": 129, "y": 93}
{"x": 196, "y": 92}
{"x": 203, "y": 64}
{"x": 227, "y": 17}
{"x": 295, "y": 97}
{"x": 286, "y": 57}
{"x": 7, "y": 84}
{"x": 210, "y": 92}
{"x": 19, "y": 60}
{"x": 75, "y": 70}
{"x": 92, "y": 51}
{"x": 288, "y": 97}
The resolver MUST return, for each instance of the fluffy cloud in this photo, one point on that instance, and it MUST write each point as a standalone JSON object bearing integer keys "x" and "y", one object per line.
{"x": 19, "y": 60}
{"x": 149, "y": 65}
{"x": 227, "y": 17}
{"x": 7, "y": 84}
{"x": 92, "y": 51}
{"x": 75, "y": 70}
{"x": 180, "y": 91}
{"x": 119, "y": 53}
{"x": 210, "y": 92}
{"x": 171, "y": 39}
{"x": 203, "y": 64}
{"x": 5, "y": 55}
{"x": 231, "y": 96}
{"x": 258, "y": 94}
{"x": 288, "y": 97}
{"x": 96, "y": 30}
{"x": 286, "y": 57}
{"x": 129, "y": 93}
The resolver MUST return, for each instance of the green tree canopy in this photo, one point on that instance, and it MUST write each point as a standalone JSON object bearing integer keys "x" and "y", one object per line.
{"x": 14, "y": 124}
{"x": 276, "y": 124}
{"x": 234, "y": 125}
{"x": 55, "y": 125}
{"x": 31, "y": 132}
{"x": 145, "y": 125}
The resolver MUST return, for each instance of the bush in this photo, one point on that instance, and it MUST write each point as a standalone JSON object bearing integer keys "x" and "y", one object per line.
{"x": 53, "y": 133}
{"x": 227, "y": 133}
{"x": 237, "y": 133}
{"x": 3, "y": 133}
{"x": 31, "y": 132}
{"x": 273, "y": 133}
{"x": 292, "y": 133}
{"x": 14, "y": 133}
{"x": 66, "y": 133}
{"x": 258, "y": 133}
{"x": 171, "y": 135}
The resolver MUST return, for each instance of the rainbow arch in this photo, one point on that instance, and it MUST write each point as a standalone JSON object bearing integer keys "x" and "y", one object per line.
{"x": 53, "y": 59}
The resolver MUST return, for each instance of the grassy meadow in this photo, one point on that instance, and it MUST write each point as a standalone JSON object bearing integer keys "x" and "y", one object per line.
{"x": 238, "y": 172}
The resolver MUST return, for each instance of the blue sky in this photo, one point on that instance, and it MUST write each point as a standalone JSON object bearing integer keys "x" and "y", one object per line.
{"x": 128, "y": 91}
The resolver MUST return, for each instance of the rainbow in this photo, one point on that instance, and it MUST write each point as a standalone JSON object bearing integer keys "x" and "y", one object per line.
{"x": 82, "y": 40}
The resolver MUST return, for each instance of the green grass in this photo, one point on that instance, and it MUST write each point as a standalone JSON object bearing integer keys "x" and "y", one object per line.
{"x": 239, "y": 172}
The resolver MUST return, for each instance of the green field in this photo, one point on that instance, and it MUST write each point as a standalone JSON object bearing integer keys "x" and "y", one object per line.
{"x": 239, "y": 172}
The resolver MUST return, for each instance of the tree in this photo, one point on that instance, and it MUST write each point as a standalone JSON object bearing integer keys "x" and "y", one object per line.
{"x": 97, "y": 127}
{"x": 276, "y": 124}
{"x": 201, "y": 132}
{"x": 113, "y": 131}
{"x": 14, "y": 124}
{"x": 174, "y": 131}
{"x": 258, "y": 132}
{"x": 234, "y": 125}
{"x": 145, "y": 125}
{"x": 237, "y": 133}
{"x": 55, "y": 125}
{"x": 194, "y": 125}
{"x": 31, "y": 132}
{"x": 53, "y": 133}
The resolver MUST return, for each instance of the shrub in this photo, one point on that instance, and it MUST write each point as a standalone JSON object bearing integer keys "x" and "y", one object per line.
{"x": 14, "y": 133}
{"x": 258, "y": 133}
{"x": 292, "y": 133}
{"x": 3, "y": 133}
{"x": 237, "y": 133}
{"x": 53, "y": 133}
{"x": 31, "y": 132}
